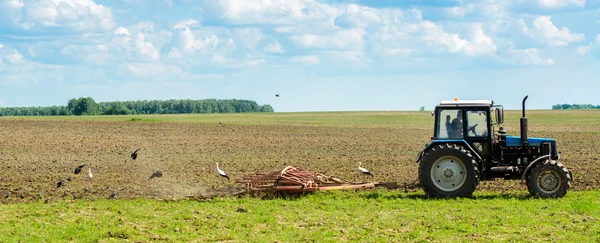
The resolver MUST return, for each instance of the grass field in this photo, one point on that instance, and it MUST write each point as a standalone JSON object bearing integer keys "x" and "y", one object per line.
{"x": 37, "y": 152}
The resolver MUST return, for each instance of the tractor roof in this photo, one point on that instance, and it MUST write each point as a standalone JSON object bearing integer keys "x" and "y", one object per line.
{"x": 457, "y": 103}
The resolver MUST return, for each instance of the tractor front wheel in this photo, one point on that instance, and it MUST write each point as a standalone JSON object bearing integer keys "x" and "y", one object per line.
{"x": 448, "y": 170}
{"x": 549, "y": 179}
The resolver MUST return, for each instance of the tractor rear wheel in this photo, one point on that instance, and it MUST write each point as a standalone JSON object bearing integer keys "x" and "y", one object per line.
{"x": 448, "y": 170}
{"x": 549, "y": 179}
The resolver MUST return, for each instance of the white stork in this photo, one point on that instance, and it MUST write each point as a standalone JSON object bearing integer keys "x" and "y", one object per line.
{"x": 221, "y": 173}
{"x": 90, "y": 172}
{"x": 363, "y": 170}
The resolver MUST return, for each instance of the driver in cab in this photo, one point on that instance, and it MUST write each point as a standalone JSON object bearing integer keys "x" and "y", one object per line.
{"x": 457, "y": 125}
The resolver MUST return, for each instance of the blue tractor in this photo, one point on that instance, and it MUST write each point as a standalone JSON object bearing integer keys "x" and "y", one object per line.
{"x": 466, "y": 148}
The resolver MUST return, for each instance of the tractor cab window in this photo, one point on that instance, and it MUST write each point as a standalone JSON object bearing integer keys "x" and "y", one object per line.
{"x": 477, "y": 123}
{"x": 449, "y": 124}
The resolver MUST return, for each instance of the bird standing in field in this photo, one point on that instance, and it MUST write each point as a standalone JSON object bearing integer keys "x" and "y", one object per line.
{"x": 363, "y": 170}
{"x": 221, "y": 173}
{"x": 59, "y": 184}
{"x": 112, "y": 195}
{"x": 78, "y": 169}
{"x": 134, "y": 154}
{"x": 90, "y": 173}
{"x": 156, "y": 174}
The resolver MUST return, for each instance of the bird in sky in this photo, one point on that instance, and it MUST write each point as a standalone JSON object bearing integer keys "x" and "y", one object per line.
{"x": 363, "y": 170}
{"x": 78, "y": 169}
{"x": 221, "y": 173}
{"x": 276, "y": 95}
{"x": 134, "y": 154}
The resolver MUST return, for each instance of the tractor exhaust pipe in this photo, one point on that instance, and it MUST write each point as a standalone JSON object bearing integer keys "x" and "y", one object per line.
{"x": 524, "y": 124}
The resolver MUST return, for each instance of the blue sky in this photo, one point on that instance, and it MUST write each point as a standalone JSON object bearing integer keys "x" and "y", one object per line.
{"x": 323, "y": 55}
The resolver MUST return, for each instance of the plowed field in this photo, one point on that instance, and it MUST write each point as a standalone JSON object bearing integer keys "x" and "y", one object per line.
{"x": 37, "y": 152}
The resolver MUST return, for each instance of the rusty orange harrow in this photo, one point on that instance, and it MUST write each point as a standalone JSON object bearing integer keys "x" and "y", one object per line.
{"x": 293, "y": 179}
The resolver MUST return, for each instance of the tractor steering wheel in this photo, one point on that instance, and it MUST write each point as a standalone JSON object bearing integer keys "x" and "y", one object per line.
{"x": 472, "y": 129}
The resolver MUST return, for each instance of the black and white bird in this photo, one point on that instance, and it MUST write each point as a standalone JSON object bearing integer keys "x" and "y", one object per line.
{"x": 134, "y": 154}
{"x": 59, "y": 184}
{"x": 156, "y": 174}
{"x": 78, "y": 169}
{"x": 112, "y": 195}
{"x": 363, "y": 170}
{"x": 221, "y": 173}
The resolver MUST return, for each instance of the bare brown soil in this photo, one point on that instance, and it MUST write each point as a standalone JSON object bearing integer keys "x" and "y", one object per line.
{"x": 36, "y": 154}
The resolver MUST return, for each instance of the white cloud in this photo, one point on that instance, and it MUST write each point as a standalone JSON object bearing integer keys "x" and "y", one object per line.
{"x": 146, "y": 49}
{"x": 343, "y": 39}
{"x": 560, "y": 3}
{"x": 272, "y": 11}
{"x": 306, "y": 60}
{"x": 598, "y": 39}
{"x": 250, "y": 37}
{"x": 186, "y": 42}
{"x": 274, "y": 48}
{"x": 543, "y": 30}
{"x": 479, "y": 44}
{"x": 15, "y": 58}
{"x": 357, "y": 16}
{"x": 74, "y": 14}
{"x": 530, "y": 56}
{"x": 583, "y": 50}
{"x": 191, "y": 23}
{"x": 122, "y": 31}
{"x": 31, "y": 52}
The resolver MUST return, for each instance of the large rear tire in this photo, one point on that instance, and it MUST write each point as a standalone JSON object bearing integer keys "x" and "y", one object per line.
{"x": 448, "y": 170}
{"x": 549, "y": 179}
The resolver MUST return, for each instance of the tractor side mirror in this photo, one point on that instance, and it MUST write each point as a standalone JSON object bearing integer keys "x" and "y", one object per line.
{"x": 499, "y": 115}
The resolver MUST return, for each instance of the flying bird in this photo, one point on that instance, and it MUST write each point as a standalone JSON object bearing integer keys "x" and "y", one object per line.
{"x": 90, "y": 173}
{"x": 134, "y": 154}
{"x": 221, "y": 173}
{"x": 363, "y": 170}
{"x": 156, "y": 174}
{"x": 276, "y": 95}
{"x": 78, "y": 169}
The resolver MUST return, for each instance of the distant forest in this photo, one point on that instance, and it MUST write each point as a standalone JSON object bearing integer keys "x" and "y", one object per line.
{"x": 87, "y": 106}
{"x": 574, "y": 106}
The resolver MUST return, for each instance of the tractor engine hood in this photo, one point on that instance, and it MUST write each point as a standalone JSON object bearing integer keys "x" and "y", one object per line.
{"x": 515, "y": 141}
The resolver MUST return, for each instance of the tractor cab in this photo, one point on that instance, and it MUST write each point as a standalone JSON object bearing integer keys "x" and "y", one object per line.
{"x": 471, "y": 121}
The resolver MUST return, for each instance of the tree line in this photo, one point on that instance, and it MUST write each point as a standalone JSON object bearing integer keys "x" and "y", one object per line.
{"x": 87, "y": 106}
{"x": 574, "y": 106}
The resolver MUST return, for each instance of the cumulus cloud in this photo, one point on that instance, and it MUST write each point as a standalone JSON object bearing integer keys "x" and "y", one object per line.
{"x": 356, "y": 16}
{"x": 146, "y": 49}
{"x": 479, "y": 43}
{"x": 583, "y": 50}
{"x": 306, "y": 60}
{"x": 272, "y": 12}
{"x": 342, "y": 39}
{"x": 560, "y": 3}
{"x": 250, "y": 37}
{"x": 73, "y": 14}
{"x": 274, "y": 47}
{"x": 530, "y": 56}
{"x": 544, "y": 31}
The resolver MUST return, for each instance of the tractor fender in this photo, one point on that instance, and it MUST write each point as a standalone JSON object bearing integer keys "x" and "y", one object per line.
{"x": 460, "y": 142}
{"x": 533, "y": 163}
